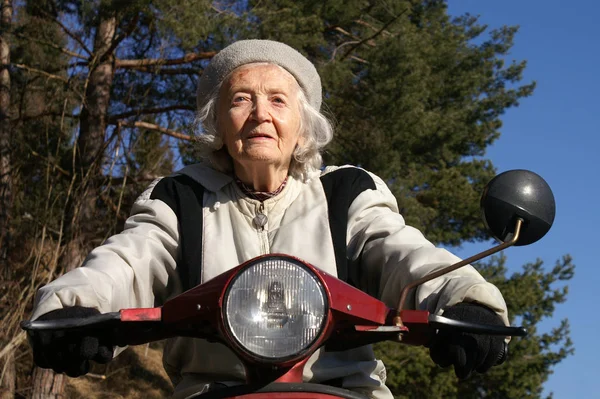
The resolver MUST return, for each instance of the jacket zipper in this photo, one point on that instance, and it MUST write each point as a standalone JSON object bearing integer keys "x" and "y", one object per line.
{"x": 261, "y": 221}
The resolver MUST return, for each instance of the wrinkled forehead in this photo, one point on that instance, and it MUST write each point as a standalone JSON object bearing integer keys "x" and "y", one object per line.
{"x": 261, "y": 71}
{"x": 249, "y": 51}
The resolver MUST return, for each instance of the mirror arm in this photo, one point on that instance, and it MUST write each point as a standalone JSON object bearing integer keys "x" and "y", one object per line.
{"x": 451, "y": 268}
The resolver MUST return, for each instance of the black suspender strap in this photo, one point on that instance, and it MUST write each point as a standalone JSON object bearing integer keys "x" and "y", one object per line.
{"x": 342, "y": 186}
{"x": 185, "y": 197}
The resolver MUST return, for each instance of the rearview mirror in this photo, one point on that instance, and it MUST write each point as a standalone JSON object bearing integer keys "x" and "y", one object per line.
{"x": 518, "y": 194}
{"x": 518, "y": 208}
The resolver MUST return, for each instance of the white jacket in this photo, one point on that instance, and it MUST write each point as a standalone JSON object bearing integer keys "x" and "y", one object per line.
{"x": 138, "y": 268}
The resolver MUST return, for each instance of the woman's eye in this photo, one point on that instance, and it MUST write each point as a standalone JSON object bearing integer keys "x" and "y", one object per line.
{"x": 278, "y": 100}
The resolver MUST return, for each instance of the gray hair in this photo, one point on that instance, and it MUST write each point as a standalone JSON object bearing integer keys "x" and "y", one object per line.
{"x": 315, "y": 129}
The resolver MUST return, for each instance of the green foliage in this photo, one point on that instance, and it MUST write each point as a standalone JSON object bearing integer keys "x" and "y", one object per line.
{"x": 40, "y": 109}
{"x": 189, "y": 24}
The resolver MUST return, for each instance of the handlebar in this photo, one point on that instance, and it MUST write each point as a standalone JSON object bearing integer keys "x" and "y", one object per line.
{"x": 419, "y": 327}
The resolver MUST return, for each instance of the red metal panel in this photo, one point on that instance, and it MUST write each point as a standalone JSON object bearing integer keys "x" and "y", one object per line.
{"x": 295, "y": 373}
{"x": 417, "y": 321}
{"x": 199, "y": 303}
{"x": 414, "y": 316}
{"x": 354, "y": 303}
{"x": 141, "y": 314}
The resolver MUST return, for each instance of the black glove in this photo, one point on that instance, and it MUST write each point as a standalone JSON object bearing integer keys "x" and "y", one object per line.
{"x": 468, "y": 352}
{"x": 69, "y": 352}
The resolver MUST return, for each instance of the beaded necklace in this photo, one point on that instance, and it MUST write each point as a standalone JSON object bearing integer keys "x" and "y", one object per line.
{"x": 259, "y": 195}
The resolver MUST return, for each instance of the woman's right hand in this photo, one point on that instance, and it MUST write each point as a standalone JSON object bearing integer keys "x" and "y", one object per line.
{"x": 69, "y": 352}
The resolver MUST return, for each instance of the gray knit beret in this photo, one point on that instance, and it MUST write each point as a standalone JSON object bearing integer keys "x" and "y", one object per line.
{"x": 249, "y": 51}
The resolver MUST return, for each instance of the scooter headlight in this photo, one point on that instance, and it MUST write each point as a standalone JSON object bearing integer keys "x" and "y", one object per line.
{"x": 275, "y": 308}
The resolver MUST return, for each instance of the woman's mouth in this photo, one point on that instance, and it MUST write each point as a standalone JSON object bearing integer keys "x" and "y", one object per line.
{"x": 259, "y": 137}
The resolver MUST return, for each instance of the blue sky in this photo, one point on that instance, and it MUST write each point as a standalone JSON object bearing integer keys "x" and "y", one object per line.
{"x": 556, "y": 134}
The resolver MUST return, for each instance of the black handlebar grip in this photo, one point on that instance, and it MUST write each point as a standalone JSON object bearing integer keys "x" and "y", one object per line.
{"x": 475, "y": 328}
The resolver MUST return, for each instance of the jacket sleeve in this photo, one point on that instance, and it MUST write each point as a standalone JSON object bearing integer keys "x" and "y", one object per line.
{"x": 392, "y": 254}
{"x": 131, "y": 269}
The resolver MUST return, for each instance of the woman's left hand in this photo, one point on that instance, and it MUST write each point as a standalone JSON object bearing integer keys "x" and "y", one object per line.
{"x": 466, "y": 351}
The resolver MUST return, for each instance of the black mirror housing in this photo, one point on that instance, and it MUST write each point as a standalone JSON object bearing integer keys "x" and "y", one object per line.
{"x": 518, "y": 194}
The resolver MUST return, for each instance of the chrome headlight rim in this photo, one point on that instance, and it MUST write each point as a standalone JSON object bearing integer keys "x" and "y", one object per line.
{"x": 238, "y": 346}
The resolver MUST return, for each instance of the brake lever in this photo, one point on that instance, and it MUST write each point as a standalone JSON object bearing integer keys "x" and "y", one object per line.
{"x": 438, "y": 322}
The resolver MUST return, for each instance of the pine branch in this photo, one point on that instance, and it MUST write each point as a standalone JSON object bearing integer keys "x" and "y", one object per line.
{"x": 373, "y": 36}
{"x": 69, "y": 33}
{"x": 358, "y": 59}
{"x": 345, "y": 32}
{"x": 222, "y": 11}
{"x": 51, "y": 76}
{"x": 333, "y": 54}
{"x": 368, "y": 25}
{"x": 352, "y": 57}
{"x": 39, "y": 71}
{"x": 53, "y": 45}
{"x": 167, "y": 71}
{"x": 152, "y": 126}
{"x": 186, "y": 59}
{"x": 147, "y": 111}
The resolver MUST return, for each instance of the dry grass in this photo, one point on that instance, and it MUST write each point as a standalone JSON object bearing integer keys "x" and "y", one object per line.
{"x": 135, "y": 373}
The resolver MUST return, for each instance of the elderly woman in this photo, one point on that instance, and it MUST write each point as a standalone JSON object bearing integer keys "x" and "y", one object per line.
{"x": 259, "y": 191}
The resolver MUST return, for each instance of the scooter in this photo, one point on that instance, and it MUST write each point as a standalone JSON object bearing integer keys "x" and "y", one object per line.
{"x": 276, "y": 310}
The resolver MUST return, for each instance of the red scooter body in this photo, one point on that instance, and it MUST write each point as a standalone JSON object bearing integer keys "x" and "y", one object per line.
{"x": 351, "y": 319}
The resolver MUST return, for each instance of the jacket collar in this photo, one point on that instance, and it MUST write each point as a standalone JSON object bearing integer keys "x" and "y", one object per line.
{"x": 209, "y": 178}
{"x": 214, "y": 180}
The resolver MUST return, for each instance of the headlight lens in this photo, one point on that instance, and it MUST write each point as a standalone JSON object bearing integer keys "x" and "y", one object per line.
{"x": 275, "y": 308}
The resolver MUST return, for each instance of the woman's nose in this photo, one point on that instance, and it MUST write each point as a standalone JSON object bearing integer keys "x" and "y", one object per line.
{"x": 260, "y": 110}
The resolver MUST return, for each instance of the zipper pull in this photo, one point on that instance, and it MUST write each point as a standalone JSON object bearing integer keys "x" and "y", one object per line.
{"x": 260, "y": 220}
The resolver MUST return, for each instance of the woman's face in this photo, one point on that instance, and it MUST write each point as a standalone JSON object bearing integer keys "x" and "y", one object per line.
{"x": 258, "y": 116}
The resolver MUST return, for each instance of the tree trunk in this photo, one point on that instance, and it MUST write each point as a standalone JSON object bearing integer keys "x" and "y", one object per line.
{"x": 9, "y": 377}
{"x": 81, "y": 211}
{"x": 48, "y": 384}
{"x": 5, "y": 137}
{"x": 93, "y": 125}
{"x": 8, "y": 380}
